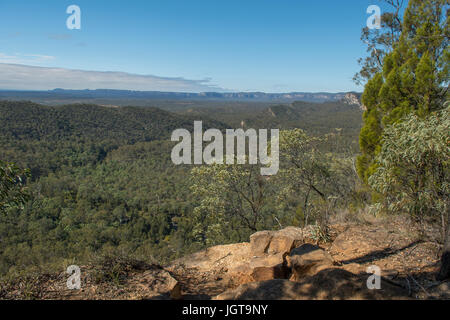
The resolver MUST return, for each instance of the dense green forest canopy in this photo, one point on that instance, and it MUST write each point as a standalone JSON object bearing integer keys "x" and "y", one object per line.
{"x": 84, "y": 180}
{"x": 102, "y": 179}
{"x": 47, "y": 138}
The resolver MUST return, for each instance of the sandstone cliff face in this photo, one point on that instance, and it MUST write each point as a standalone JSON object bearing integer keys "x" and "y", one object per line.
{"x": 353, "y": 99}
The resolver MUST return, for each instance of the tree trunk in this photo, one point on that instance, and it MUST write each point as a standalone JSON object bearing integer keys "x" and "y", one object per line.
{"x": 444, "y": 272}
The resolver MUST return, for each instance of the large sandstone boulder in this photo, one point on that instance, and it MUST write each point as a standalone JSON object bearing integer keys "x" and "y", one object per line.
{"x": 306, "y": 260}
{"x": 274, "y": 242}
{"x": 268, "y": 250}
{"x": 259, "y": 242}
{"x": 262, "y": 268}
{"x": 263, "y": 258}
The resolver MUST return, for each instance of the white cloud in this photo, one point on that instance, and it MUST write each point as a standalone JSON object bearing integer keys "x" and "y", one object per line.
{"x": 24, "y": 77}
{"x": 19, "y": 58}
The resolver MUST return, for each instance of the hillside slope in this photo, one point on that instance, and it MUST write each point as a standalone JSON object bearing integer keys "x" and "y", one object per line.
{"x": 27, "y": 120}
{"x": 45, "y": 138}
{"x": 316, "y": 118}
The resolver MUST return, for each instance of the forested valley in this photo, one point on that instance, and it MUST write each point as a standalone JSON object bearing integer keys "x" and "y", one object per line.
{"x": 83, "y": 181}
{"x": 100, "y": 180}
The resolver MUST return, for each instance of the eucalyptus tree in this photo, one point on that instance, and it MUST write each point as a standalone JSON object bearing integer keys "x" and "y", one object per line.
{"x": 413, "y": 173}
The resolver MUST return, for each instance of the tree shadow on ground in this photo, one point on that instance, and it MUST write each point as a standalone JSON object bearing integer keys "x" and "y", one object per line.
{"x": 328, "y": 284}
{"x": 379, "y": 254}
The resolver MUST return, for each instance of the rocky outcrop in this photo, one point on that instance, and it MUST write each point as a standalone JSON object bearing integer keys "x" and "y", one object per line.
{"x": 353, "y": 99}
{"x": 281, "y": 241}
{"x": 260, "y": 241}
{"x": 266, "y": 267}
{"x": 263, "y": 258}
{"x": 289, "y": 264}
{"x": 284, "y": 255}
{"x": 273, "y": 265}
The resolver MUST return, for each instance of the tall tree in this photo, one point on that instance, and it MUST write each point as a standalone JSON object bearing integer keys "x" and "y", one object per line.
{"x": 414, "y": 77}
{"x": 380, "y": 42}
{"x": 316, "y": 178}
{"x": 12, "y": 186}
{"x": 413, "y": 172}
{"x": 230, "y": 197}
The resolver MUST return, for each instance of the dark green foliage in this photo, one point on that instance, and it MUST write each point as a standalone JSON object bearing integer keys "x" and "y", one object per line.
{"x": 413, "y": 78}
{"x": 46, "y": 139}
{"x": 103, "y": 183}
{"x": 13, "y": 192}
{"x": 102, "y": 180}
{"x": 314, "y": 118}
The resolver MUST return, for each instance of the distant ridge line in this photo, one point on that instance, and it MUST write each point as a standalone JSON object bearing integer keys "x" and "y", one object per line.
{"x": 129, "y": 94}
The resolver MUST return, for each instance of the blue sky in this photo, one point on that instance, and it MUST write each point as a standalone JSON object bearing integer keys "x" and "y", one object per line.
{"x": 246, "y": 45}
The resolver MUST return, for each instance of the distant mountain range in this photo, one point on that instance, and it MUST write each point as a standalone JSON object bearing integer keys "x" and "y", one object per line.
{"x": 158, "y": 95}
